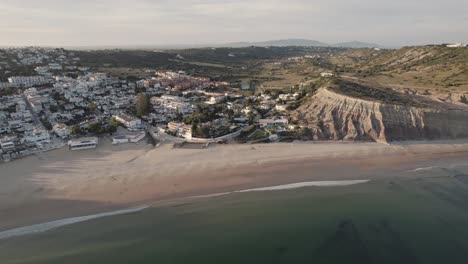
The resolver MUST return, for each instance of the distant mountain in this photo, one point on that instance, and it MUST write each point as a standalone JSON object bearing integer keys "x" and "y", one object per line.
{"x": 270, "y": 43}
{"x": 301, "y": 43}
{"x": 278, "y": 43}
{"x": 356, "y": 45}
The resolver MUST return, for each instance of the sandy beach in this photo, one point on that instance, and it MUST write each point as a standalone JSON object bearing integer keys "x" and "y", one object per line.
{"x": 62, "y": 183}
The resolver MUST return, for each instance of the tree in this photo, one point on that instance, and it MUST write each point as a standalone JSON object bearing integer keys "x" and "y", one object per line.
{"x": 202, "y": 132}
{"x": 76, "y": 130}
{"x": 71, "y": 75}
{"x": 46, "y": 124}
{"x": 92, "y": 107}
{"x": 95, "y": 128}
{"x": 139, "y": 90}
{"x": 113, "y": 124}
{"x": 179, "y": 115}
{"x": 53, "y": 108}
{"x": 194, "y": 126}
{"x": 7, "y": 91}
{"x": 251, "y": 118}
{"x": 142, "y": 104}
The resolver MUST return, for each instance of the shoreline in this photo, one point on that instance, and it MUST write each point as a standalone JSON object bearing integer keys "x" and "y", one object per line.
{"x": 61, "y": 184}
{"x": 44, "y": 227}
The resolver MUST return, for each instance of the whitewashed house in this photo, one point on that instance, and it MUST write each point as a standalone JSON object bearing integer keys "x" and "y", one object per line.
{"x": 37, "y": 136}
{"x": 130, "y": 122}
{"x": 61, "y": 130}
{"x": 273, "y": 122}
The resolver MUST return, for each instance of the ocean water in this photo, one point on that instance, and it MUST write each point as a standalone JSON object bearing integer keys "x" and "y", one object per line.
{"x": 417, "y": 219}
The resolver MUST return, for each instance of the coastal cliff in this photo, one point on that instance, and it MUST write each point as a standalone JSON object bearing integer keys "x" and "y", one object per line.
{"x": 334, "y": 116}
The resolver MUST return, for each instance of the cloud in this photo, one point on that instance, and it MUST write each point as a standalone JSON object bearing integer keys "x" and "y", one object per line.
{"x": 124, "y": 22}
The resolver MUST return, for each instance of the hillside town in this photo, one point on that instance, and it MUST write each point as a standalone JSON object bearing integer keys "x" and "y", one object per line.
{"x": 55, "y": 108}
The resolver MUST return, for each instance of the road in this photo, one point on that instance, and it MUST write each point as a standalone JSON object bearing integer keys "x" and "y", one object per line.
{"x": 36, "y": 120}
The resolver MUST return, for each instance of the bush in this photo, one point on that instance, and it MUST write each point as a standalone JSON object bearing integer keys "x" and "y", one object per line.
{"x": 463, "y": 99}
{"x": 142, "y": 104}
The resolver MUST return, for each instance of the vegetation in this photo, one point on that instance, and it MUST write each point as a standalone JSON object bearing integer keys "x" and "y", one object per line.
{"x": 113, "y": 125}
{"x": 96, "y": 128}
{"x": 46, "y": 124}
{"x": 92, "y": 107}
{"x": 428, "y": 70}
{"x": 372, "y": 93}
{"x": 434, "y": 66}
{"x": 8, "y": 91}
{"x": 201, "y": 131}
{"x": 142, "y": 104}
{"x": 124, "y": 58}
{"x": 204, "y": 114}
{"x": 249, "y": 64}
{"x": 463, "y": 99}
{"x": 258, "y": 134}
{"x": 76, "y": 130}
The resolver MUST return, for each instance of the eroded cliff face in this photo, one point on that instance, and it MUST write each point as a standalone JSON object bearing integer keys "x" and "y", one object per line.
{"x": 333, "y": 116}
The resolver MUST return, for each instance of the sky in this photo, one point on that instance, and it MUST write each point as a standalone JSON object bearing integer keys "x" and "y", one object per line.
{"x": 167, "y": 22}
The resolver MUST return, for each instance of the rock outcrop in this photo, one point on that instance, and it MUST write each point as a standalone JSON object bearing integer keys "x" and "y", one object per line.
{"x": 333, "y": 116}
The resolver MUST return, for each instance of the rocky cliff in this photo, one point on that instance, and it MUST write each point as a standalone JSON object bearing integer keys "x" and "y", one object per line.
{"x": 334, "y": 116}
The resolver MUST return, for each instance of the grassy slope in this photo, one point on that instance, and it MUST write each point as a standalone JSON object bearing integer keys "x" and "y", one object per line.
{"x": 373, "y": 93}
{"x": 411, "y": 221}
{"x": 427, "y": 67}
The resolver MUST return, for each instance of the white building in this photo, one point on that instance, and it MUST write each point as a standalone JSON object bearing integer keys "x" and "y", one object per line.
{"x": 456, "y": 45}
{"x": 273, "y": 122}
{"x": 133, "y": 138}
{"x": 273, "y": 137}
{"x": 180, "y": 129}
{"x": 61, "y": 130}
{"x": 131, "y": 123}
{"x": 55, "y": 66}
{"x": 28, "y": 81}
{"x": 119, "y": 139}
{"x": 281, "y": 108}
{"x": 168, "y": 104}
{"x": 37, "y": 136}
{"x": 83, "y": 143}
{"x": 326, "y": 74}
{"x": 7, "y": 145}
{"x": 288, "y": 97}
{"x": 214, "y": 100}
{"x": 42, "y": 70}
{"x": 136, "y": 137}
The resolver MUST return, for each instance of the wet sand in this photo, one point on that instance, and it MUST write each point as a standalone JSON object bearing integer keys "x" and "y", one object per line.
{"x": 62, "y": 184}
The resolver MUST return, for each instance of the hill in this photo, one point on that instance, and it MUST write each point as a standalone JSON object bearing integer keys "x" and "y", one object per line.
{"x": 356, "y": 45}
{"x": 430, "y": 70}
{"x": 300, "y": 43}
{"x": 279, "y": 43}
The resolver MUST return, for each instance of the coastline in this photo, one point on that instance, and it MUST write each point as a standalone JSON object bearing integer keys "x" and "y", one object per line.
{"x": 61, "y": 184}
{"x": 44, "y": 227}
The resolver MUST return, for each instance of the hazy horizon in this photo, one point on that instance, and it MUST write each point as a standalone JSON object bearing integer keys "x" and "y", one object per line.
{"x": 65, "y": 23}
{"x": 177, "y": 46}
